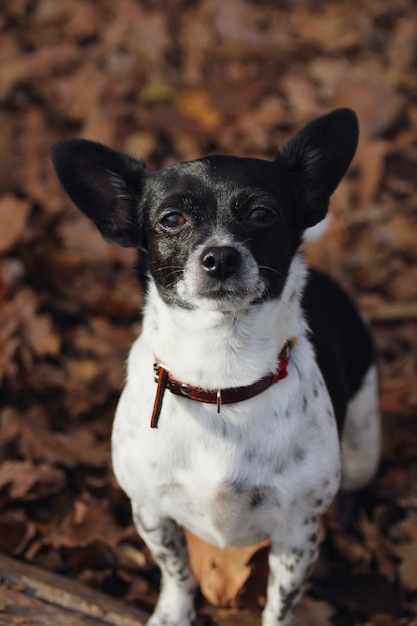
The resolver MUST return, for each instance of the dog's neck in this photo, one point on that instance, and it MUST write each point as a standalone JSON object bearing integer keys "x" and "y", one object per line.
{"x": 213, "y": 349}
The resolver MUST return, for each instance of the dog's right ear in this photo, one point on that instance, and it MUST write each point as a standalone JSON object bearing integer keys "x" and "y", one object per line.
{"x": 104, "y": 184}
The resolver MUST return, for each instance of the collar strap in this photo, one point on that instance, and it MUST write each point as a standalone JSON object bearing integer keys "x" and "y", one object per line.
{"x": 230, "y": 395}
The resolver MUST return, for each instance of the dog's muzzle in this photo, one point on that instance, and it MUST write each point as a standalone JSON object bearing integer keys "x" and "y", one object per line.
{"x": 220, "y": 275}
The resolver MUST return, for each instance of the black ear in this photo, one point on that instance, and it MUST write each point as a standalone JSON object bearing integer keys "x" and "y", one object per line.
{"x": 104, "y": 184}
{"x": 318, "y": 157}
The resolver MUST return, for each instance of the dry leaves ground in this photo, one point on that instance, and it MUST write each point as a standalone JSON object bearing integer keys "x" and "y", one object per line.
{"x": 169, "y": 81}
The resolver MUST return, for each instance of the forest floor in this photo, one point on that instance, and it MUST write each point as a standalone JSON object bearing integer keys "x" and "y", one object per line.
{"x": 169, "y": 81}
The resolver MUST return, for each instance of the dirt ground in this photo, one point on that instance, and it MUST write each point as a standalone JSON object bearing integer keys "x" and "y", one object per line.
{"x": 168, "y": 81}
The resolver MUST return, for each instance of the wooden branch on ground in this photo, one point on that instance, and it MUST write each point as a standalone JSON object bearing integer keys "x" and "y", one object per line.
{"x": 30, "y": 596}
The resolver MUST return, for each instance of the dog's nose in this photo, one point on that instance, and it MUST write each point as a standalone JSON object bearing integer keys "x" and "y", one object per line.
{"x": 221, "y": 261}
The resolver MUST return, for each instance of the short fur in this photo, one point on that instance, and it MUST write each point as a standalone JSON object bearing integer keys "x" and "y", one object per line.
{"x": 219, "y": 241}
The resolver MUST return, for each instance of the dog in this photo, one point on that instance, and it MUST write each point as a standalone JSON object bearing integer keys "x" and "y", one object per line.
{"x": 252, "y": 392}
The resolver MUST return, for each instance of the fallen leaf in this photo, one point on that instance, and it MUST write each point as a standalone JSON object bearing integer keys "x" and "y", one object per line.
{"x": 407, "y": 550}
{"x": 197, "y": 105}
{"x": 221, "y": 573}
{"x": 91, "y": 521}
{"x": 26, "y": 481}
{"x": 312, "y": 612}
{"x": 365, "y": 97}
{"x": 13, "y": 215}
{"x": 16, "y": 531}
{"x": 37, "y": 442}
{"x": 378, "y": 545}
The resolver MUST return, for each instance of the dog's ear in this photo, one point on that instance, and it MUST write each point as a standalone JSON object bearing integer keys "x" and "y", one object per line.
{"x": 318, "y": 157}
{"x": 104, "y": 184}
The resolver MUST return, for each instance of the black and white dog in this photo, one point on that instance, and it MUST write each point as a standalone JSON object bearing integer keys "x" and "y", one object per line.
{"x": 251, "y": 394}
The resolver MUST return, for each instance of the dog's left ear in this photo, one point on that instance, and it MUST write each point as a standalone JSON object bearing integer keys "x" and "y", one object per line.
{"x": 318, "y": 157}
{"x": 106, "y": 185}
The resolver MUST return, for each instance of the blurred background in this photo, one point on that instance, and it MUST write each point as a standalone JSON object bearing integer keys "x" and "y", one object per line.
{"x": 167, "y": 81}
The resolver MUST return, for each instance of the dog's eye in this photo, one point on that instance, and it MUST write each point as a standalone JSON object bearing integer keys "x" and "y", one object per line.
{"x": 172, "y": 221}
{"x": 261, "y": 216}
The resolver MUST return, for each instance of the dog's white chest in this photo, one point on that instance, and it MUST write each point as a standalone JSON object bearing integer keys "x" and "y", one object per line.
{"x": 228, "y": 477}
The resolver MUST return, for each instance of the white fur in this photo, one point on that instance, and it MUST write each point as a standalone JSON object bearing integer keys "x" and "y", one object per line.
{"x": 361, "y": 441}
{"x": 203, "y": 470}
{"x": 318, "y": 231}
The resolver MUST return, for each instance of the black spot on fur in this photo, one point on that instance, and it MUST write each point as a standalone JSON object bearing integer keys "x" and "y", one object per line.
{"x": 298, "y": 554}
{"x": 288, "y": 598}
{"x": 250, "y": 455}
{"x": 238, "y": 486}
{"x": 305, "y": 403}
{"x": 299, "y": 454}
{"x": 279, "y": 467}
{"x": 257, "y": 498}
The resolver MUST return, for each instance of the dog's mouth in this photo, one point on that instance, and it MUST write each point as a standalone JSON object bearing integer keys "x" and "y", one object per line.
{"x": 230, "y": 292}
{"x": 224, "y": 300}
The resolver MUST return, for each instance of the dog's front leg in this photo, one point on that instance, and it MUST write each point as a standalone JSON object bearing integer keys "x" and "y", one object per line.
{"x": 289, "y": 565}
{"x": 165, "y": 539}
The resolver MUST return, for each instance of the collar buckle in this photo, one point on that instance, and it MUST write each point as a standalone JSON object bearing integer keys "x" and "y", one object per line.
{"x": 219, "y": 400}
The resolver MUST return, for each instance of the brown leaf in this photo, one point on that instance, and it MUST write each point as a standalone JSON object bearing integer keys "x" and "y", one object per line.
{"x": 36, "y": 441}
{"x": 312, "y": 612}
{"x": 365, "y": 97}
{"x": 26, "y": 481}
{"x": 399, "y": 233}
{"x": 407, "y": 551}
{"x": 16, "y": 531}
{"x": 221, "y": 574}
{"x": 395, "y": 394}
{"x": 332, "y": 29}
{"x": 408, "y": 567}
{"x": 370, "y": 158}
{"x": 9, "y": 342}
{"x": 348, "y": 545}
{"x": 378, "y": 545}
{"x": 89, "y": 521}
{"x": 41, "y": 336}
{"x": 37, "y": 329}
{"x": 13, "y": 216}
{"x": 43, "y": 62}
{"x": 402, "y": 44}
{"x": 197, "y": 105}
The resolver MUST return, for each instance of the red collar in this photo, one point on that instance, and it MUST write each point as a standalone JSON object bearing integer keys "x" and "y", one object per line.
{"x": 230, "y": 395}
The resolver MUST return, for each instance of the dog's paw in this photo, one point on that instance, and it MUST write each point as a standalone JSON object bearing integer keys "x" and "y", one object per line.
{"x": 162, "y": 618}
{"x": 269, "y": 619}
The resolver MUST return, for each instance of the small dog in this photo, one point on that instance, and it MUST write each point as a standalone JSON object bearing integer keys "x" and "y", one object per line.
{"x": 248, "y": 363}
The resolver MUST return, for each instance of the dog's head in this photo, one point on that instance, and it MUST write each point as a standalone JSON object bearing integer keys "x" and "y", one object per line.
{"x": 219, "y": 232}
